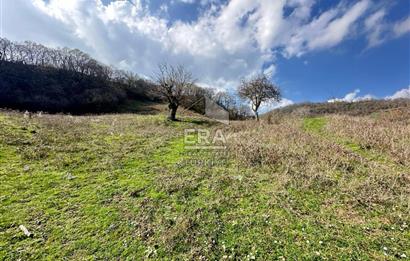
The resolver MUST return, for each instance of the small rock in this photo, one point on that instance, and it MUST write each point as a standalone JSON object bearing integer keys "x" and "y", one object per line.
{"x": 239, "y": 177}
{"x": 27, "y": 114}
{"x": 69, "y": 176}
{"x": 25, "y": 231}
{"x": 403, "y": 255}
{"x": 111, "y": 228}
{"x": 26, "y": 168}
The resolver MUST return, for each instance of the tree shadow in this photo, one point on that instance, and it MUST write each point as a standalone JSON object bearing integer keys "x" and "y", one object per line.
{"x": 200, "y": 122}
{"x": 142, "y": 107}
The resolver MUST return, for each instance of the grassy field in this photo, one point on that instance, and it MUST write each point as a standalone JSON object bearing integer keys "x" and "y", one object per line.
{"x": 126, "y": 187}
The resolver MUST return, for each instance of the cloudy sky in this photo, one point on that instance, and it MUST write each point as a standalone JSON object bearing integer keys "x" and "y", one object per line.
{"x": 316, "y": 50}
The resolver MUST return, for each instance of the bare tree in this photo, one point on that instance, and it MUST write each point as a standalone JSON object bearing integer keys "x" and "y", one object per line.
{"x": 172, "y": 84}
{"x": 4, "y": 46}
{"x": 258, "y": 90}
{"x": 224, "y": 100}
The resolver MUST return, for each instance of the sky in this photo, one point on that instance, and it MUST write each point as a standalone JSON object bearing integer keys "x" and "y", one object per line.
{"x": 314, "y": 50}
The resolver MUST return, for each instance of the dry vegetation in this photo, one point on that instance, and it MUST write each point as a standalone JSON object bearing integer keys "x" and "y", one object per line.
{"x": 387, "y": 133}
{"x": 360, "y": 108}
{"x": 124, "y": 186}
{"x": 365, "y": 157}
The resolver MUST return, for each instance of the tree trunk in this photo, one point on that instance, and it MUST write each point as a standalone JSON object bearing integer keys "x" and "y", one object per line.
{"x": 255, "y": 107}
{"x": 172, "y": 112}
{"x": 256, "y": 115}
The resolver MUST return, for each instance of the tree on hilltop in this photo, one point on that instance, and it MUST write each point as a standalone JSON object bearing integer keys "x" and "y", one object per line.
{"x": 258, "y": 90}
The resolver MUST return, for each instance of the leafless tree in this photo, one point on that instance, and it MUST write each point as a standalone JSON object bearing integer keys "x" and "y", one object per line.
{"x": 224, "y": 100}
{"x": 230, "y": 102}
{"x": 72, "y": 60}
{"x": 258, "y": 90}
{"x": 4, "y": 46}
{"x": 172, "y": 84}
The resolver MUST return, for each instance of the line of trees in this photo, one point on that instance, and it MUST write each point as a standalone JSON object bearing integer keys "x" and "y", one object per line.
{"x": 74, "y": 60}
{"x": 176, "y": 85}
{"x": 38, "y": 78}
{"x": 35, "y": 77}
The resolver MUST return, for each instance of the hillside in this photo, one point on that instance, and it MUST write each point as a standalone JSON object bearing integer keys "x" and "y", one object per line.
{"x": 360, "y": 108}
{"x": 38, "y": 78}
{"x": 122, "y": 186}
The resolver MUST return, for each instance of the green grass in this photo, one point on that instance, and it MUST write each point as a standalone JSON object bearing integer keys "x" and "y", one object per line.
{"x": 317, "y": 125}
{"x": 314, "y": 124}
{"x": 125, "y": 187}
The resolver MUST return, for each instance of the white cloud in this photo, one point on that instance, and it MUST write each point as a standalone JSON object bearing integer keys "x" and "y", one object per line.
{"x": 353, "y": 97}
{"x": 338, "y": 29}
{"x": 271, "y": 70}
{"x": 327, "y": 30}
{"x": 402, "y": 94}
{"x": 402, "y": 27}
{"x": 379, "y": 30}
{"x": 186, "y": 1}
{"x": 375, "y": 26}
{"x": 226, "y": 42}
{"x": 268, "y": 106}
{"x": 163, "y": 8}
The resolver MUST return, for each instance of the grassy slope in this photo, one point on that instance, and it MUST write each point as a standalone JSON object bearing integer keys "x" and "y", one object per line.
{"x": 347, "y": 108}
{"x": 124, "y": 186}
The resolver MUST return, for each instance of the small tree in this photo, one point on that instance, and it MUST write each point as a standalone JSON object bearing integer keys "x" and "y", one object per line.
{"x": 258, "y": 90}
{"x": 172, "y": 84}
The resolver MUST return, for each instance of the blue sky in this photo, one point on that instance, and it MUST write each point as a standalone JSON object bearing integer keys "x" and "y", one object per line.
{"x": 378, "y": 71}
{"x": 316, "y": 50}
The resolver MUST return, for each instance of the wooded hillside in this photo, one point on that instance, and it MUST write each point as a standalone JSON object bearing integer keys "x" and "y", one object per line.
{"x": 37, "y": 78}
